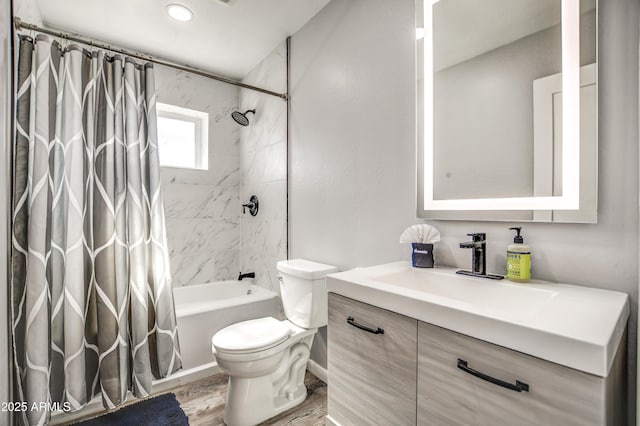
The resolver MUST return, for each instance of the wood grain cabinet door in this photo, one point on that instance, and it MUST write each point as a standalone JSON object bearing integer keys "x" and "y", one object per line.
{"x": 455, "y": 386}
{"x": 372, "y": 361}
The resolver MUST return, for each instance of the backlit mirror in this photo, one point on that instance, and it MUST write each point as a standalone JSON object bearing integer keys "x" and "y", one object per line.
{"x": 507, "y": 110}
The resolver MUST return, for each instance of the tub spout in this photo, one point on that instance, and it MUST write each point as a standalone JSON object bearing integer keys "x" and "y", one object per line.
{"x": 246, "y": 275}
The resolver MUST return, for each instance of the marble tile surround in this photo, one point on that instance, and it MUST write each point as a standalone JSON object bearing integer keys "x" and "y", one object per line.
{"x": 202, "y": 206}
{"x": 209, "y": 239}
{"x": 263, "y": 171}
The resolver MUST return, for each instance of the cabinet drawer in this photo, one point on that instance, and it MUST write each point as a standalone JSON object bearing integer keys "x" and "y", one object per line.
{"x": 371, "y": 376}
{"x": 448, "y": 395}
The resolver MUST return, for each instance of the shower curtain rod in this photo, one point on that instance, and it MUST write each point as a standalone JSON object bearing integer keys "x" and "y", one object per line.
{"x": 20, "y": 24}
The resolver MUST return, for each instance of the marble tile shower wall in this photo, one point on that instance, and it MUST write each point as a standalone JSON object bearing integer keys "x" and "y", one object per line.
{"x": 263, "y": 168}
{"x": 202, "y": 207}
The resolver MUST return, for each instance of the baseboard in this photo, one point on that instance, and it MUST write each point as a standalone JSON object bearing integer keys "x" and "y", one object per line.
{"x": 95, "y": 407}
{"x": 328, "y": 421}
{"x": 317, "y": 370}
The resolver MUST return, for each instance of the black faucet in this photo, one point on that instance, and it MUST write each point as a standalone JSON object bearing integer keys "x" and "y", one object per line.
{"x": 478, "y": 246}
{"x": 246, "y": 275}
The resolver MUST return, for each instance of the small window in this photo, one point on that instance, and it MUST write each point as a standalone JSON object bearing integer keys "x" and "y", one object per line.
{"x": 182, "y": 137}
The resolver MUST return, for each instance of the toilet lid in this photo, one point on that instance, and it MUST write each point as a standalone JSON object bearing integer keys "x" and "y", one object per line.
{"x": 252, "y": 335}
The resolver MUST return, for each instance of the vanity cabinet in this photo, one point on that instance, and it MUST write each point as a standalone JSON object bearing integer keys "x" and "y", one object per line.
{"x": 389, "y": 369}
{"x": 465, "y": 381}
{"x": 371, "y": 364}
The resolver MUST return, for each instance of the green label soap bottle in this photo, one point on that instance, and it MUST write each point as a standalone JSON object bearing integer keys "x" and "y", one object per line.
{"x": 518, "y": 259}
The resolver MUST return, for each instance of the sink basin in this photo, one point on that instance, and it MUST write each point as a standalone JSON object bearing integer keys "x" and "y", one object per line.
{"x": 492, "y": 298}
{"x": 574, "y": 326}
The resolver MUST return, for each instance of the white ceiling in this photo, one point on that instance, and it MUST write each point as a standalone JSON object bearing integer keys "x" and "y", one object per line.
{"x": 227, "y": 39}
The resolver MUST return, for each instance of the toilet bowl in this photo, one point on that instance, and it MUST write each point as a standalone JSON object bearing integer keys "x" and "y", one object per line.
{"x": 266, "y": 358}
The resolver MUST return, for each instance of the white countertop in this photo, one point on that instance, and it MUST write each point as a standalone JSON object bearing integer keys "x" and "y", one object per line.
{"x": 574, "y": 326}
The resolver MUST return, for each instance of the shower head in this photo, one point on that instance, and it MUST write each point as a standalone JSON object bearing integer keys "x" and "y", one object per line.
{"x": 241, "y": 118}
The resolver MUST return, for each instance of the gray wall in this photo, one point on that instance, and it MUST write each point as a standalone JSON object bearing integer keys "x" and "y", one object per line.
{"x": 352, "y": 162}
{"x": 202, "y": 207}
{"x": 351, "y": 148}
{"x": 352, "y": 154}
{"x": 5, "y": 138}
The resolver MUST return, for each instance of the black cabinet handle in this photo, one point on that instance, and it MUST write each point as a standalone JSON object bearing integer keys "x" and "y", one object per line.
{"x": 518, "y": 387}
{"x": 353, "y": 322}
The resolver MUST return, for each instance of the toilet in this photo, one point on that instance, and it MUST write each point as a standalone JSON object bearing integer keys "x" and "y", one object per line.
{"x": 265, "y": 358}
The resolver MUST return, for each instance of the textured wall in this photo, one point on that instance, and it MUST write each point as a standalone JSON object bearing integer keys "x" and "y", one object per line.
{"x": 263, "y": 165}
{"x": 352, "y": 182}
{"x": 202, "y": 206}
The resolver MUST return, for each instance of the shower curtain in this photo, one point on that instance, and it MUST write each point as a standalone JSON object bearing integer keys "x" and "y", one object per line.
{"x": 92, "y": 306}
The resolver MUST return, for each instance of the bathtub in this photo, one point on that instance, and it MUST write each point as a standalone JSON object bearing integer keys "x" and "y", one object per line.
{"x": 204, "y": 309}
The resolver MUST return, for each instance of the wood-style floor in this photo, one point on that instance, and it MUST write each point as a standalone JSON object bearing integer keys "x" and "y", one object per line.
{"x": 203, "y": 402}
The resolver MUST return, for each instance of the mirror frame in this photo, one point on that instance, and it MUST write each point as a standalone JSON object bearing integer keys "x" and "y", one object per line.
{"x": 570, "y": 198}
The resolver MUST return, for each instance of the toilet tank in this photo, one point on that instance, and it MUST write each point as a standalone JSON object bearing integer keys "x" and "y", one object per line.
{"x": 304, "y": 291}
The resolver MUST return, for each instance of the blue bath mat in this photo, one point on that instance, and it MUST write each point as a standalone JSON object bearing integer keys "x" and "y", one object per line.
{"x": 162, "y": 410}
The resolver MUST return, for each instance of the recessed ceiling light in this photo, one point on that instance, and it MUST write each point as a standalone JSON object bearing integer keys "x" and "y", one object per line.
{"x": 179, "y": 12}
{"x": 419, "y": 33}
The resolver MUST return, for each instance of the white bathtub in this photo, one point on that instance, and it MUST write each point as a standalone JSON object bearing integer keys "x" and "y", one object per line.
{"x": 203, "y": 309}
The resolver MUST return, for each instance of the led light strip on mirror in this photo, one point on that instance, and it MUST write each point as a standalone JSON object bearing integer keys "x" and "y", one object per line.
{"x": 570, "y": 198}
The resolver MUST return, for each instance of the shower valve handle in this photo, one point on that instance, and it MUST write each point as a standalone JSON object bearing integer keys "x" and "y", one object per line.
{"x": 252, "y": 205}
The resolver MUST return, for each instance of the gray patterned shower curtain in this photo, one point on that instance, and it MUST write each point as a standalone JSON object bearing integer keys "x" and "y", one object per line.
{"x": 91, "y": 291}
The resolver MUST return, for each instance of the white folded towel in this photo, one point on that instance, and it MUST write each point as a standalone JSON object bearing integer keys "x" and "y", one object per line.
{"x": 421, "y": 233}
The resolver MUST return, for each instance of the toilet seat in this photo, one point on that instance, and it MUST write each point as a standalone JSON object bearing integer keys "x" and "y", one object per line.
{"x": 251, "y": 336}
